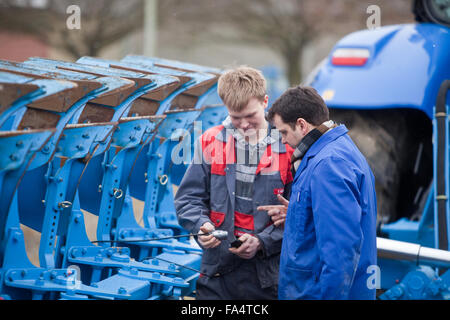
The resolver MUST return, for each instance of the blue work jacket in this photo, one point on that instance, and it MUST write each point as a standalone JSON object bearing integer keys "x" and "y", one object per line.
{"x": 329, "y": 239}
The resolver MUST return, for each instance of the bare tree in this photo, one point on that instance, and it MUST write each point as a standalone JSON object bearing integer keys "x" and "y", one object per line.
{"x": 102, "y": 22}
{"x": 284, "y": 26}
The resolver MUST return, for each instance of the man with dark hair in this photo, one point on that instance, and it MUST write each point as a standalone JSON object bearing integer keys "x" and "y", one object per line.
{"x": 329, "y": 239}
{"x": 301, "y": 102}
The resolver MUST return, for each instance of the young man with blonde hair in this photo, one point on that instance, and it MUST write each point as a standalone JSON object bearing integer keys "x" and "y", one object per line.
{"x": 237, "y": 167}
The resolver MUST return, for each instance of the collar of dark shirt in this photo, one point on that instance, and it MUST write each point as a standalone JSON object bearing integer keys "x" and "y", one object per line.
{"x": 307, "y": 142}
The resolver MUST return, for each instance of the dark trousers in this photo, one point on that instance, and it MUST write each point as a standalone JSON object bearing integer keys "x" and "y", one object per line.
{"x": 240, "y": 284}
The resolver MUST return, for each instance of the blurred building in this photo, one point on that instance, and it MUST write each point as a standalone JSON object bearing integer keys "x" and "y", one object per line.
{"x": 18, "y": 47}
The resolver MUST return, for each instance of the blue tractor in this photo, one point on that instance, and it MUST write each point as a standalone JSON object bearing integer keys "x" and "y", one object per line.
{"x": 389, "y": 86}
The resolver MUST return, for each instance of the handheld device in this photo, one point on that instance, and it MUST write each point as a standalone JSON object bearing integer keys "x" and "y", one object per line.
{"x": 236, "y": 243}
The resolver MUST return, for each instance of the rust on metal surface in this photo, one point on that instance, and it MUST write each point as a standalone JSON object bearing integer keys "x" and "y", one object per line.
{"x": 83, "y": 86}
{"x": 86, "y": 86}
{"x": 162, "y": 92}
{"x": 59, "y": 102}
{"x": 183, "y": 110}
{"x": 10, "y": 92}
{"x": 115, "y": 97}
{"x": 140, "y": 82}
{"x": 22, "y": 72}
{"x": 84, "y": 125}
{"x": 38, "y": 119}
{"x": 144, "y": 107}
{"x": 4, "y": 134}
{"x": 201, "y": 88}
{"x": 181, "y": 78}
{"x": 153, "y": 118}
{"x": 183, "y": 101}
{"x": 93, "y": 113}
{"x": 162, "y": 65}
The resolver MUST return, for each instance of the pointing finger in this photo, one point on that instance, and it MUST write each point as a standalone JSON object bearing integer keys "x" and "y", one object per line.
{"x": 283, "y": 200}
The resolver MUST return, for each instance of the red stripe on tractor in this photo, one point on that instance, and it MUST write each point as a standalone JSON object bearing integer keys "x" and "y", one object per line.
{"x": 349, "y": 61}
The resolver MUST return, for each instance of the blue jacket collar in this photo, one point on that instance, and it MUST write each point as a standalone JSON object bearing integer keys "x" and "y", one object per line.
{"x": 326, "y": 138}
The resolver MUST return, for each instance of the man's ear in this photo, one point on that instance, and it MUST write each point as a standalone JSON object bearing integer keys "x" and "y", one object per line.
{"x": 301, "y": 124}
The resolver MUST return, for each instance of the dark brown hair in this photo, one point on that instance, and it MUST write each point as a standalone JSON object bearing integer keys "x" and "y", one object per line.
{"x": 300, "y": 102}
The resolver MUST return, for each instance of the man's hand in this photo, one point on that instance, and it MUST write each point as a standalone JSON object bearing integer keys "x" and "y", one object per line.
{"x": 250, "y": 245}
{"x": 277, "y": 212}
{"x": 208, "y": 241}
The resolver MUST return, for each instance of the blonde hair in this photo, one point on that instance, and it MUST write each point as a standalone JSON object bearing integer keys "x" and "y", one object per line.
{"x": 237, "y": 86}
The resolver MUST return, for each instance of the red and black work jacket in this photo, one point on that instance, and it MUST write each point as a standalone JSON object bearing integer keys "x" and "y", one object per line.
{"x": 207, "y": 194}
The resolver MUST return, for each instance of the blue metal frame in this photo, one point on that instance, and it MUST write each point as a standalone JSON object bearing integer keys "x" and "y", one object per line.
{"x": 123, "y": 145}
{"x": 95, "y": 261}
{"x": 57, "y": 175}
